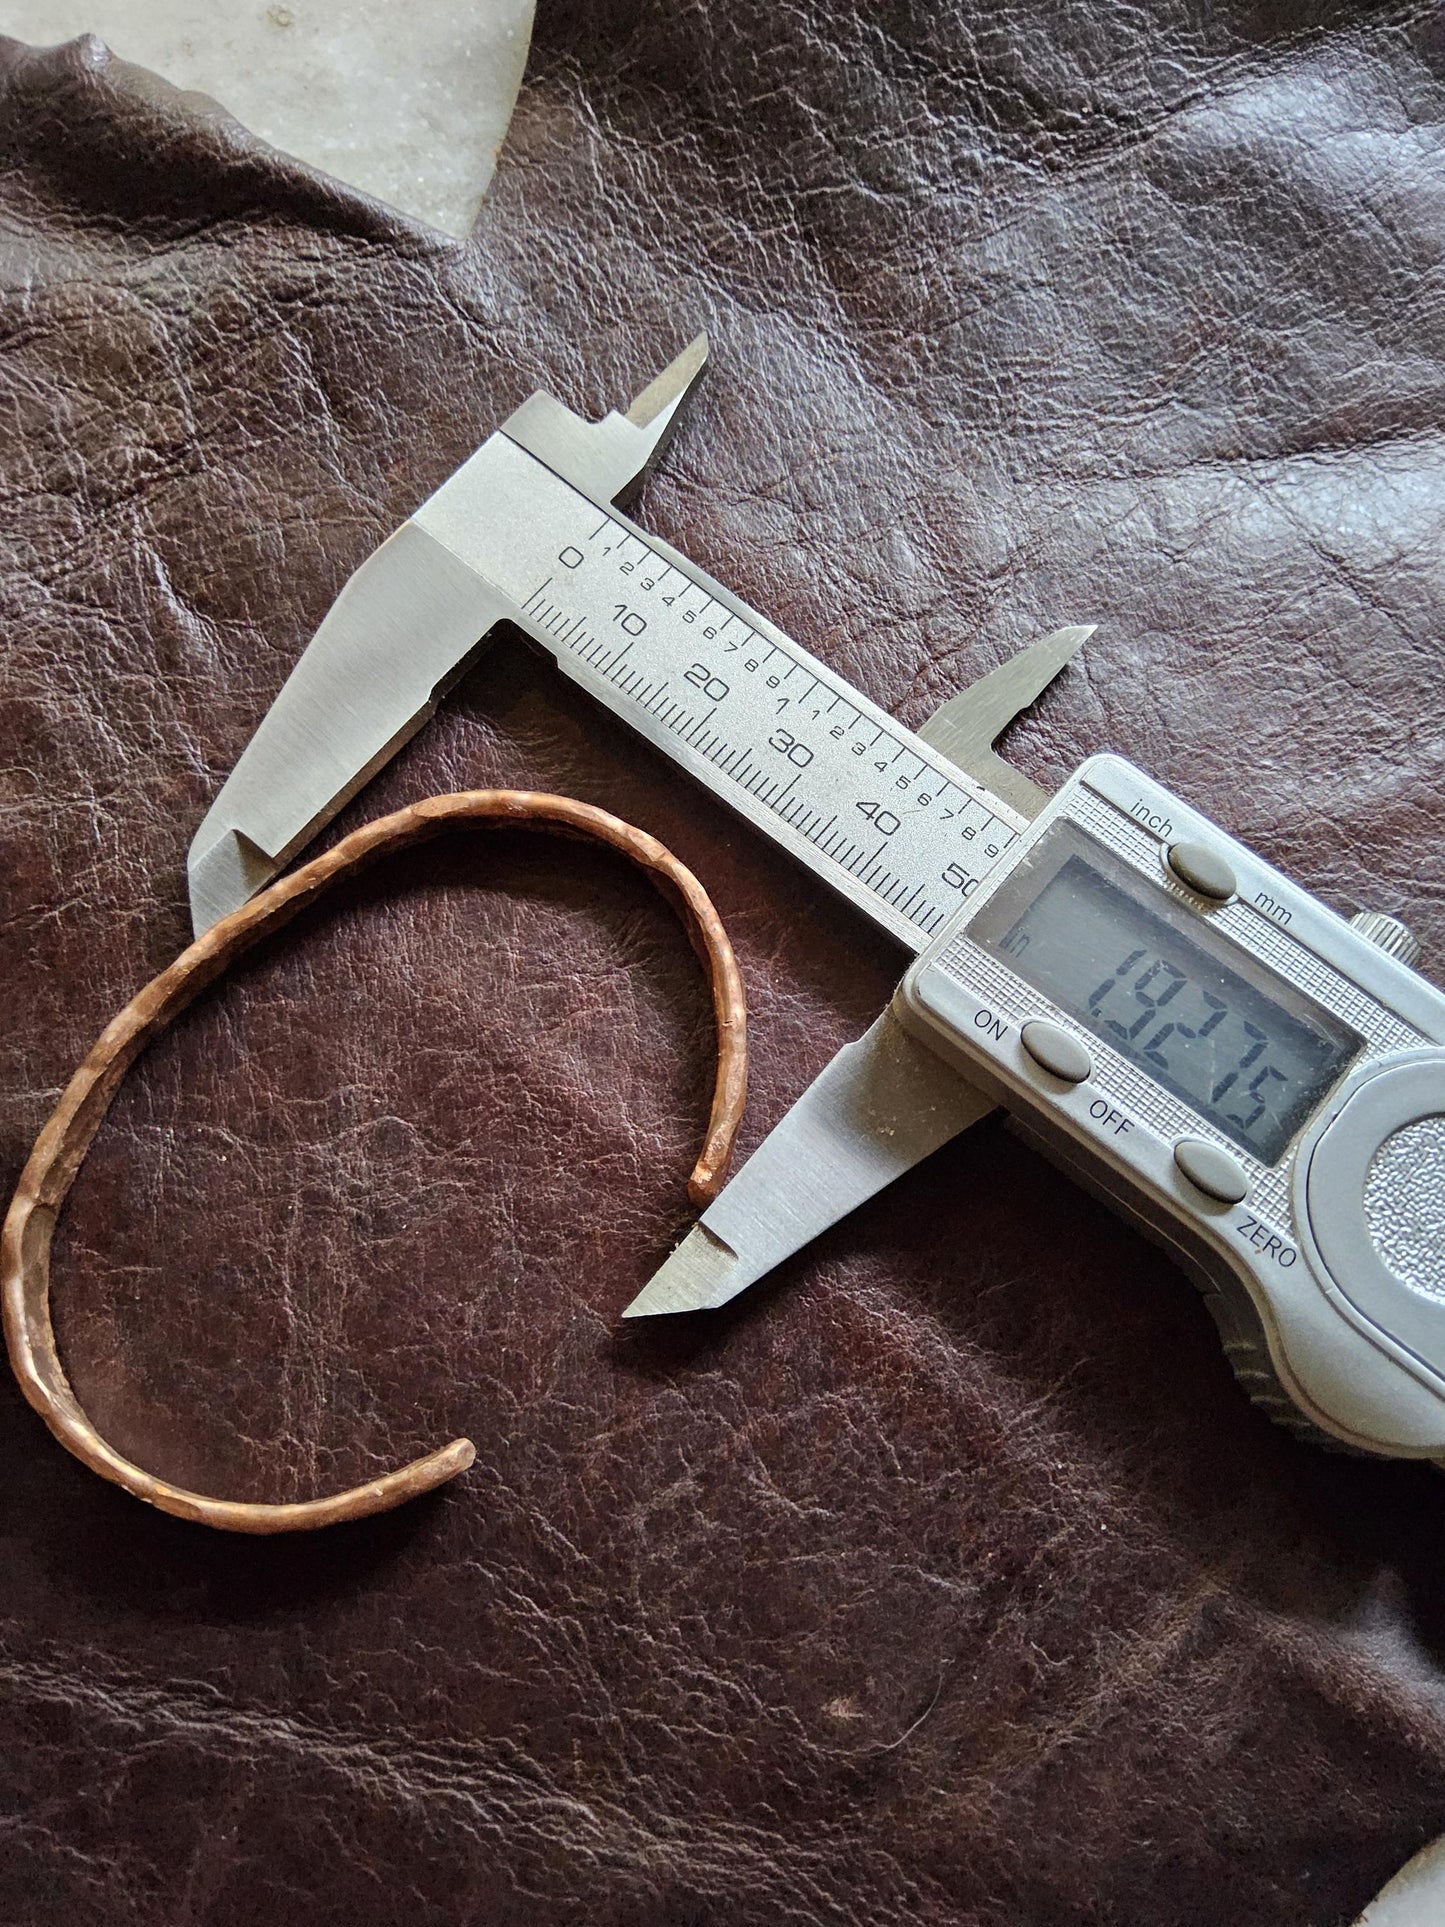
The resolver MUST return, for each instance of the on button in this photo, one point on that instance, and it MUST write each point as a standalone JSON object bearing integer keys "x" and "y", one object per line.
{"x": 1057, "y": 1051}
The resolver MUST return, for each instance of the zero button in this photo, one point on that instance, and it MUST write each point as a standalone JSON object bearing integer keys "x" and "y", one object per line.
{"x": 1212, "y": 1171}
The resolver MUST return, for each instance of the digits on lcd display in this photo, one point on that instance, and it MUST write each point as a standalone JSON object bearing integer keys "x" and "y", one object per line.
{"x": 1246, "y": 1050}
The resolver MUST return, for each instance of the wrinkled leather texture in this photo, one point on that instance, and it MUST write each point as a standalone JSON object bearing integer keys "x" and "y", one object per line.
{"x": 949, "y": 1579}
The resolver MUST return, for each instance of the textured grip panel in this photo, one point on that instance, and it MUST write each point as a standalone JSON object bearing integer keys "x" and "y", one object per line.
{"x": 1405, "y": 1204}
{"x": 1242, "y": 1336}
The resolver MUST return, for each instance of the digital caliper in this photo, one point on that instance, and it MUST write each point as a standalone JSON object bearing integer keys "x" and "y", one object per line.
{"x": 1255, "y": 1082}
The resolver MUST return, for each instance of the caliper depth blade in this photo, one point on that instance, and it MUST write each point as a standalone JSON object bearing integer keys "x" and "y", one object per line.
{"x": 878, "y": 1108}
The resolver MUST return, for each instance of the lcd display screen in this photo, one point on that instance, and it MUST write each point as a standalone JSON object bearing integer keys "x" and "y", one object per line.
{"x": 1246, "y": 1050}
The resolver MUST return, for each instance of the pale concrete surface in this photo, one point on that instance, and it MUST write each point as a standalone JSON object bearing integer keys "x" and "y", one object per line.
{"x": 1415, "y": 1897}
{"x": 409, "y": 102}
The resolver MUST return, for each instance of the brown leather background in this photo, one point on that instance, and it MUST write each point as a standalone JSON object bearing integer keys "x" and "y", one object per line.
{"x": 951, "y": 1579}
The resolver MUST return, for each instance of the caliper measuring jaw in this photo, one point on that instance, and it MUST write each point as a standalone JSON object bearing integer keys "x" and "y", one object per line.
{"x": 403, "y": 630}
{"x": 882, "y": 1105}
{"x": 905, "y": 825}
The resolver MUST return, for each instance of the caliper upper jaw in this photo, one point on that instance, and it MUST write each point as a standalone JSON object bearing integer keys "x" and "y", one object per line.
{"x": 968, "y": 725}
{"x": 608, "y": 459}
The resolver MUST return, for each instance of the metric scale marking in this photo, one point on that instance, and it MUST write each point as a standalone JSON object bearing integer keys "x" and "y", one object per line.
{"x": 768, "y": 727}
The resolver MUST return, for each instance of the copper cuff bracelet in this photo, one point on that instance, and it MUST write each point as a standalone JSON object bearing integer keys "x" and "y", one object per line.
{"x": 60, "y": 1149}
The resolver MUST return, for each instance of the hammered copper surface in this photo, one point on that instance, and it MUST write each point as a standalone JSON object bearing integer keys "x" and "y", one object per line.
{"x": 59, "y": 1151}
{"x": 951, "y": 1579}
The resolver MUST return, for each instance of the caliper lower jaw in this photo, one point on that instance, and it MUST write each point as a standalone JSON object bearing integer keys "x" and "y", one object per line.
{"x": 223, "y": 876}
{"x": 881, "y": 1106}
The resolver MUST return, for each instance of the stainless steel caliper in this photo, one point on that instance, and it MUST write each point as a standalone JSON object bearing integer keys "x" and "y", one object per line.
{"x": 1255, "y": 1082}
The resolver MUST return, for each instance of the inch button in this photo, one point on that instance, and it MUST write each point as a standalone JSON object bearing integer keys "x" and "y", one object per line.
{"x": 1203, "y": 869}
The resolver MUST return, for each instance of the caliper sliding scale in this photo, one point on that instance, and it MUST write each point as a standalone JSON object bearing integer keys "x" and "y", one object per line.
{"x": 1256, "y": 1083}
